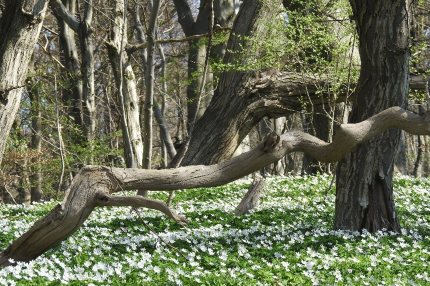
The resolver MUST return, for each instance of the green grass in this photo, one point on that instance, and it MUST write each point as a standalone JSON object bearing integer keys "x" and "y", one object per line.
{"x": 287, "y": 240}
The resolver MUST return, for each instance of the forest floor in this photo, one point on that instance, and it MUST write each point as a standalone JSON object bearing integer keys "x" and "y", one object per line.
{"x": 287, "y": 240}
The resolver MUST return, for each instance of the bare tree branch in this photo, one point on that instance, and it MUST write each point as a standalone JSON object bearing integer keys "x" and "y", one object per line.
{"x": 94, "y": 185}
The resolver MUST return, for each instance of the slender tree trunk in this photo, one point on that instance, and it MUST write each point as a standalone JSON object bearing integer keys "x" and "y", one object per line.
{"x": 36, "y": 144}
{"x": 224, "y": 12}
{"x": 417, "y": 171}
{"x": 131, "y": 124}
{"x": 364, "y": 198}
{"x": 20, "y": 25}
{"x": 72, "y": 97}
{"x": 318, "y": 125}
{"x": 84, "y": 94}
{"x": 158, "y": 111}
{"x": 149, "y": 96}
{"x": 87, "y": 71}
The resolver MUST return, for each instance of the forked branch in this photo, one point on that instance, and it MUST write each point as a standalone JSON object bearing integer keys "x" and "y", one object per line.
{"x": 94, "y": 185}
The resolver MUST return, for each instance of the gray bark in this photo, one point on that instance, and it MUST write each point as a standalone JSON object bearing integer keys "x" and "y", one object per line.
{"x": 36, "y": 144}
{"x": 20, "y": 25}
{"x": 70, "y": 58}
{"x": 251, "y": 198}
{"x": 167, "y": 144}
{"x": 224, "y": 13}
{"x": 364, "y": 191}
{"x": 83, "y": 99}
{"x": 417, "y": 171}
{"x": 87, "y": 70}
{"x": 149, "y": 84}
{"x": 126, "y": 83}
{"x": 94, "y": 185}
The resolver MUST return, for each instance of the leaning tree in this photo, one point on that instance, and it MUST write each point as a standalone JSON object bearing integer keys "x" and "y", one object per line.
{"x": 94, "y": 186}
{"x": 254, "y": 94}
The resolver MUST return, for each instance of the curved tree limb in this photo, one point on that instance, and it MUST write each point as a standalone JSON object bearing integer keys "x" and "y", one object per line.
{"x": 104, "y": 200}
{"x": 94, "y": 185}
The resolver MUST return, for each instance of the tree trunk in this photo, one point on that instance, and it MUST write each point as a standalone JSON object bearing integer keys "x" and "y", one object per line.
{"x": 82, "y": 96}
{"x": 251, "y": 198}
{"x": 124, "y": 74}
{"x": 243, "y": 98}
{"x": 149, "y": 84}
{"x": 94, "y": 185}
{"x": 317, "y": 124}
{"x": 364, "y": 198}
{"x": 224, "y": 12}
{"x": 72, "y": 97}
{"x": 417, "y": 171}
{"x": 36, "y": 143}
{"x": 20, "y": 25}
{"x": 166, "y": 139}
{"x": 87, "y": 71}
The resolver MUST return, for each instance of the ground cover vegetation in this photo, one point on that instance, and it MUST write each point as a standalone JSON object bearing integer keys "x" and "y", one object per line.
{"x": 287, "y": 240}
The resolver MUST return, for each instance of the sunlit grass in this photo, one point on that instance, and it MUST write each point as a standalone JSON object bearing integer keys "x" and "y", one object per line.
{"x": 287, "y": 240}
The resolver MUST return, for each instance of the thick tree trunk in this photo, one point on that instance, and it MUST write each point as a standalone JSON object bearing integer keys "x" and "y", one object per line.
{"x": 94, "y": 185}
{"x": 364, "y": 198}
{"x": 20, "y": 25}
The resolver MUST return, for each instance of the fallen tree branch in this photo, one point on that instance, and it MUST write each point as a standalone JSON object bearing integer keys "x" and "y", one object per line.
{"x": 94, "y": 185}
{"x": 103, "y": 200}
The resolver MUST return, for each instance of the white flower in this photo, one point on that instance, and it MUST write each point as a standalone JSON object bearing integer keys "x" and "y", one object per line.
{"x": 286, "y": 265}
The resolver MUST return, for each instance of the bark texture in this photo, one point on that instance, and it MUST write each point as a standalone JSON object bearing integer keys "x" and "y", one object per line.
{"x": 364, "y": 196}
{"x": 126, "y": 81}
{"x": 250, "y": 200}
{"x": 20, "y": 25}
{"x": 94, "y": 185}
{"x": 83, "y": 95}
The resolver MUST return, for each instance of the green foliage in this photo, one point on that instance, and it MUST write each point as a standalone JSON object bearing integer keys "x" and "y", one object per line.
{"x": 22, "y": 160}
{"x": 287, "y": 240}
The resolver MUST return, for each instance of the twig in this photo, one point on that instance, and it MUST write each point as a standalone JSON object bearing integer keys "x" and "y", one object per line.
{"x": 156, "y": 234}
{"x": 234, "y": 265}
{"x": 133, "y": 48}
{"x": 331, "y": 185}
{"x": 11, "y": 196}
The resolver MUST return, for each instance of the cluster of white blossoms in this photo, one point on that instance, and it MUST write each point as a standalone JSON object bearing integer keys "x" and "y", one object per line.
{"x": 288, "y": 239}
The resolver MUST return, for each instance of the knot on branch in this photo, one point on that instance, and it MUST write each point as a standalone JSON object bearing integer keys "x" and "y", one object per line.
{"x": 270, "y": 141}
{"x": 101, "y": 199}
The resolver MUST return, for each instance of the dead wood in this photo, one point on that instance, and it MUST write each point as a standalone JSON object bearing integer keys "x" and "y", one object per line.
{"x": 94, "y": 185}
